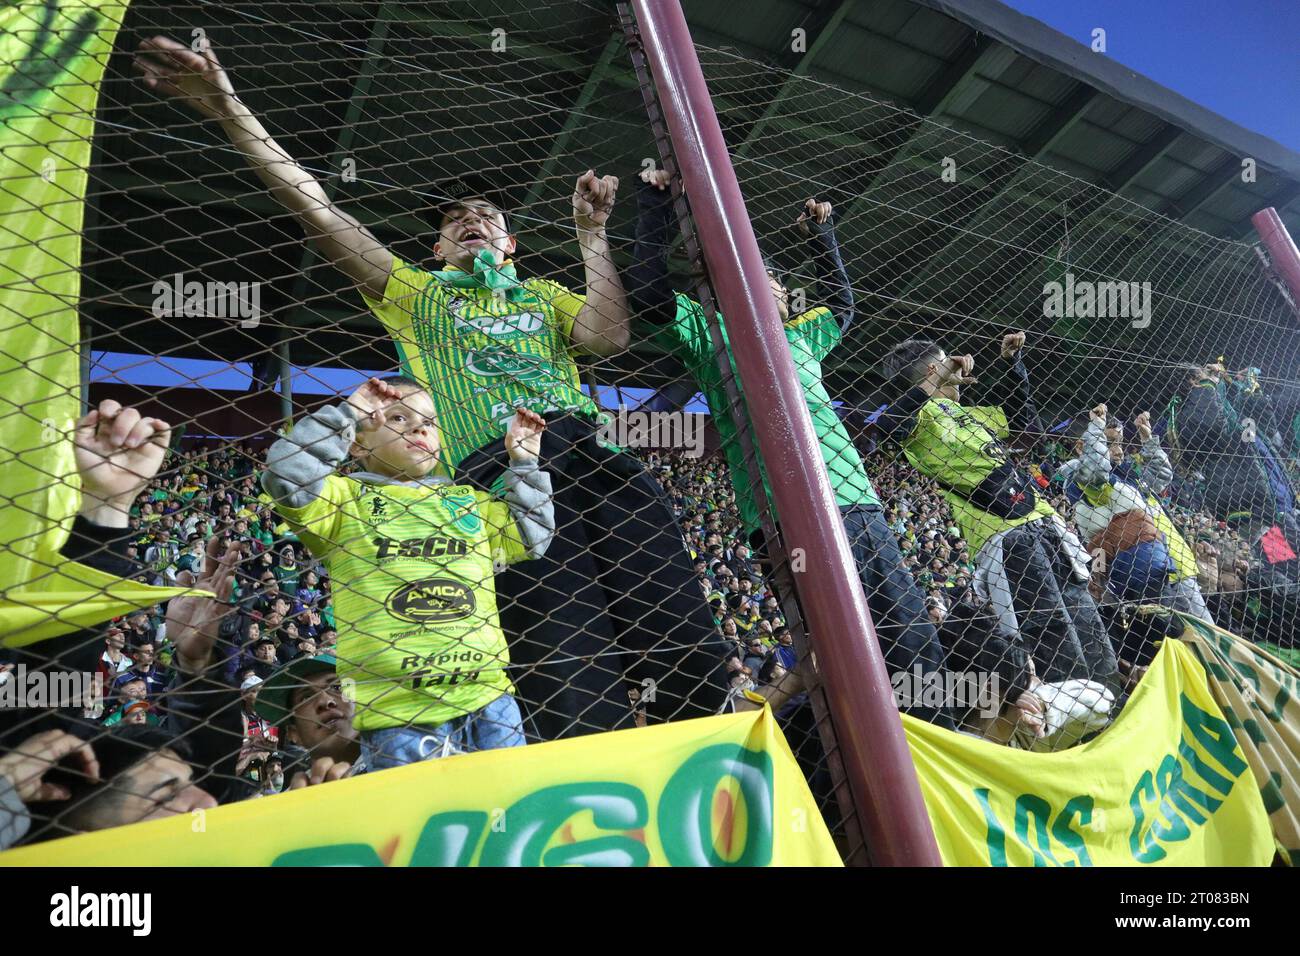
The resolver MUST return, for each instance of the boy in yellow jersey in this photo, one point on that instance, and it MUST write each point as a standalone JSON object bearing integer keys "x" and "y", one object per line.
{"x": 613, "y": 604}
{"x": 413, "y": 557}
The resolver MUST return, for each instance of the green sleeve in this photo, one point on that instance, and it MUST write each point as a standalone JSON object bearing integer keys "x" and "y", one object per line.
{"x": 396, "y": 311}
{"x": 818, "y": 330}
{"x": 687, "y": 335}
{"x": 319, "y": 523}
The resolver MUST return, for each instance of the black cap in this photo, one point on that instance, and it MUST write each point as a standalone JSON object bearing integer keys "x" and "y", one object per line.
{"x": 455, "y": 192}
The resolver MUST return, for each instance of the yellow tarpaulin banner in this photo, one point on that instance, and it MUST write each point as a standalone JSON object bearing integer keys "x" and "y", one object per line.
{"x": 1260, "y": 696}
{"x": 1166, "y": 784}
{"x": 716, "y": 791}
{"x": 52, "y": 57}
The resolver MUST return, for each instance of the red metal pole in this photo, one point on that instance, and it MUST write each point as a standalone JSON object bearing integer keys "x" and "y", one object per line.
{"x": 1281, "y": 248}
{"x": 876, "y": 758}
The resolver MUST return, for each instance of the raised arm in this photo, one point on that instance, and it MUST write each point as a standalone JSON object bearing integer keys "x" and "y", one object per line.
{"x": 298, "y": 464}
{"x": 649, "y": 291}
{"x": 528, "y": 488}
{"x": 199, "y": 80}
{"x": 1157, "y": 471}
{"x": 817, "y": 223}
{"x": 1094, "y": 464}
{"x": 1009, "y": 388}
{"x": 603, "y": 325}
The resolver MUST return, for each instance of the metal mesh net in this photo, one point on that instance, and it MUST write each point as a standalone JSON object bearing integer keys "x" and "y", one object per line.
{"x": 374, "y": 609}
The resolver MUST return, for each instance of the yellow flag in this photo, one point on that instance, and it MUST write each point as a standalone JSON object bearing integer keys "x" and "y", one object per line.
{"x": 1260, "y": 696}
{"x": 715, "y": 791}
{"x": 1165, "y": 784}
{"x": 52, "y": 57}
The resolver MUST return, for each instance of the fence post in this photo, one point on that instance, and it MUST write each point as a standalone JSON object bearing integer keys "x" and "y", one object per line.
{"x": 1281, "y": 249}
{"x": 878, "y": 763}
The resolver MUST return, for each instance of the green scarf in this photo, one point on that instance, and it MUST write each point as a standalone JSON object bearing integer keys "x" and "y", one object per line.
{"x": 497, "y": 279}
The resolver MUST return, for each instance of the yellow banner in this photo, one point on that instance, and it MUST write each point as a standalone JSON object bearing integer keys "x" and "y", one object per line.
{"x": 717, "y": 791}
{"x": 1260, "y": 696}
{"x": 1166, "y": 784}
{"x": 52, "y": 57}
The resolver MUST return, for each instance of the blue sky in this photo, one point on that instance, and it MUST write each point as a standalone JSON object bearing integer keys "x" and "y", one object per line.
{"x": 168, "y": 372}
{"x": 1236, "y": 58}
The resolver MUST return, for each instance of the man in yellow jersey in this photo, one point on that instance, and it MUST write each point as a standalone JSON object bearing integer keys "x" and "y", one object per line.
{"x": 613, "y": 603}
{"x": 412, "y": 559}
{"x": 1029, "y": 565}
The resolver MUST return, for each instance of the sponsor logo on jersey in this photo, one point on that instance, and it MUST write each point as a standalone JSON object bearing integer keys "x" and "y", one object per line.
{"x": 996, "y": 451}
{"x": 435, "y": 546}
{"x": 519, "y": 323}
{"x": 501, "y": 362}
{"x": 432, "y": 601}
{"x": 461, "y": 509}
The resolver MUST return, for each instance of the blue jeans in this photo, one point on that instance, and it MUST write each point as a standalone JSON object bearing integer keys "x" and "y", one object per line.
{"x": 492, "y": 727}
{"x": 903, "y": 628}
{"x": 907, "y": 637}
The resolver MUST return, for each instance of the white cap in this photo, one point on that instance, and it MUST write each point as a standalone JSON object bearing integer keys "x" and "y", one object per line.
{"x": 252, "y": 681}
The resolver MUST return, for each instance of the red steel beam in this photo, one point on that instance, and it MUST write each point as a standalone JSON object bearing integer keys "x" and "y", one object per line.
{"x": 876, "y": 758}
{"x": 1281, "y": 248}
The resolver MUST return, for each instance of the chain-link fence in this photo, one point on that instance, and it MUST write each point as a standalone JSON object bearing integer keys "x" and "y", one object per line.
{"x": 409, "y": 565}
{"x": 1055, "y": 405}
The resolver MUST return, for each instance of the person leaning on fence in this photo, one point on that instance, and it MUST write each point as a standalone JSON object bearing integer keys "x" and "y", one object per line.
{"x": 117, "y": 451}
{"x": 1029, "y": 565}
{"x": 413, "y": 557}
{"x": 1116, "y": 509}
{"x": 612, "y": 603}
{"x": 1245, "y": 480}
{"x": 133, "y": 774}
{"x": 897, "y": 605}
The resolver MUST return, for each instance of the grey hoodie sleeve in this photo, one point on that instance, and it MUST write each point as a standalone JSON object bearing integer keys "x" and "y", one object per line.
{"x": 15, "y": 821}
{"x": 1094, "y": 466}
{"x": 528, "y": 496}
{"x": 1068, "y": 471}
{"x": 298, "y": 464}
{"x": 1157, "y": 472}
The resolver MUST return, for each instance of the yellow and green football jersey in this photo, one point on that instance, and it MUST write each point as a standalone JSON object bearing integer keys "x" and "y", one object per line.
{"x": 481, "y": 355}
{"x": 414, "y": 595}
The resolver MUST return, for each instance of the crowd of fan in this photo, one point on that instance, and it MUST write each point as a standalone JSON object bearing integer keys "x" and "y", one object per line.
{"x": 284, "y": 611}
{"x": 282, "y": 596}
{"x": 1242, "y": 593}
{"x": 745, "y": 607}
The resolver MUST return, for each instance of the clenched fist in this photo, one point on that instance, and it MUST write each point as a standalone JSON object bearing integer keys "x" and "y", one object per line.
{"x": 1143, "y": 425}
{"x": 818, "y": 212}
{"x": 1012, "y": 343}
{"x": 593, "y": 200}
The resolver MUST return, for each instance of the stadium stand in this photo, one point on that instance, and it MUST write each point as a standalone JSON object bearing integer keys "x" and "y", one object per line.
{"x": 377, "y": 302}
